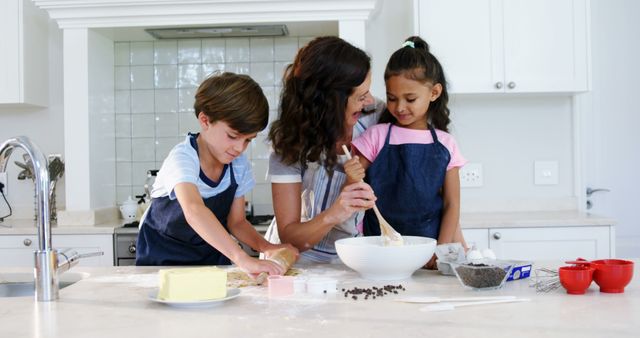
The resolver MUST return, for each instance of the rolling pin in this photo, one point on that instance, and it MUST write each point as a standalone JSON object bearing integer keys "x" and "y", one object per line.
{"x": 283, "y": 257}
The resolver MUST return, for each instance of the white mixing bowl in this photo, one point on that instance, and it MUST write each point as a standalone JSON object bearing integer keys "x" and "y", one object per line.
{"x": 369, "y": 257}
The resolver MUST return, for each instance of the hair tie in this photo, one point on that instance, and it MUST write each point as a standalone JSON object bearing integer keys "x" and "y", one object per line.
{"x": 409, "y": 44}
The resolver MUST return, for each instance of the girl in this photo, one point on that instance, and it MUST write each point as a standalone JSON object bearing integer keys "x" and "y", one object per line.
{"x": 411, "y": 161}
{"x": 198, "y": 196}
{"x": 324, "y": 94}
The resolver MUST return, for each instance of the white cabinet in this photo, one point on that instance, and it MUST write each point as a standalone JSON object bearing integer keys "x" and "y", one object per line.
{"x": 569, "y": 243}
{"x": 24, "y": 58}
{"x": 17, "y": 250}
{"x": 513, "y": 46}
{"x": 545, "y": 243}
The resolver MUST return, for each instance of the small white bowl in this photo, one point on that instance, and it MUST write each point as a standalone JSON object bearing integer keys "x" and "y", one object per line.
{"x": 374, "y": 261}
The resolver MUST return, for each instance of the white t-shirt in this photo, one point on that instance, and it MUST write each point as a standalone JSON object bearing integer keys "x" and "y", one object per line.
{"x": 182, "y": 165}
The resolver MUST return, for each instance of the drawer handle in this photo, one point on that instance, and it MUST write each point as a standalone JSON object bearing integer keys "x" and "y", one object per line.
{"x": 132, "y": 248}
{"x": 497, "y": 235}
{"x": 26, "y": 242}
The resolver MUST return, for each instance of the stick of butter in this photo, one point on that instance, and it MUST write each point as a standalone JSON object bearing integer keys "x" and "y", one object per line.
{"x": 192, "y": 284}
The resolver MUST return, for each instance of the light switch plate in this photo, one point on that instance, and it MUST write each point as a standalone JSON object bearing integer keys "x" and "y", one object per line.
{"x": 545, "y": 172}
{"x": 471, "y": 175}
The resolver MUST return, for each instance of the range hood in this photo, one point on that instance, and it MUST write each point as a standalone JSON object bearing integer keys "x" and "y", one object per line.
{"x": 218, "y": 32}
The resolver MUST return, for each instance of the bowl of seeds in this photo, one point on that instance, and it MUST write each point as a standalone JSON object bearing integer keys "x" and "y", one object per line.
{"x": 483, "y": 276}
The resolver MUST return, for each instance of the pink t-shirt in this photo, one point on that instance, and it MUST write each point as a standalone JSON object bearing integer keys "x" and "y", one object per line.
{"x": 371, "y": 141}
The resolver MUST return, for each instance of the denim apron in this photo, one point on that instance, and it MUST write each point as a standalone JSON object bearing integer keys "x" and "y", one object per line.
{"x": 166, "y": 238}
{"x": 407, "y": 180}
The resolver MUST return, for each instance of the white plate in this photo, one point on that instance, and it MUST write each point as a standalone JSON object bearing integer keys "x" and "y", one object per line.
{"x": 231, "y": 294}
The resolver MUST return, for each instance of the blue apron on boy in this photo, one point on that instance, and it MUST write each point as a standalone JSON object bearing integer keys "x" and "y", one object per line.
{"x": 407, "y": 180}
{"x": 166, "y": 238}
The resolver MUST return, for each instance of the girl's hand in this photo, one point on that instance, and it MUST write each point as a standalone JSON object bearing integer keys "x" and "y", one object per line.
{"x": 431, "y": 264}
{"x": 254, "y": 266}
{"x": 354, "y": 170}
{"x": 353, "y": 198}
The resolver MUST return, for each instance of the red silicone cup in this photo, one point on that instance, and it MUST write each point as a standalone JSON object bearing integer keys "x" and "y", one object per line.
{"x": 576, "y": 279}
{"x": 612, "y": 275}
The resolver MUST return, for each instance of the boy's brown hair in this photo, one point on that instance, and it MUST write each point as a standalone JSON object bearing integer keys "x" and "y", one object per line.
{"x": 235, "y": 99}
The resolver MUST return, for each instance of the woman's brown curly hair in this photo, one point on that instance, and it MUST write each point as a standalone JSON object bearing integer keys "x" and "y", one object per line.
{"x": 313, "y": 101}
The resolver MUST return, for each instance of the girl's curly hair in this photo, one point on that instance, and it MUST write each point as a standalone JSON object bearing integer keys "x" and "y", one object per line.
{"x": 313, "y": 101}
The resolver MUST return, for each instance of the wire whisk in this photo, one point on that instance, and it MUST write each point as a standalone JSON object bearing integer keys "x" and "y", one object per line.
{"x": 546, "y": 280}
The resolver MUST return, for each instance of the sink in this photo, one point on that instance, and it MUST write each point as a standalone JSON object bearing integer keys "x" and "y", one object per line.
{"x": 23, "y": 285}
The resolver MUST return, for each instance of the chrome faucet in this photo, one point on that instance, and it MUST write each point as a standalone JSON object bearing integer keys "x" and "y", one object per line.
{"x": 48, "y": 261}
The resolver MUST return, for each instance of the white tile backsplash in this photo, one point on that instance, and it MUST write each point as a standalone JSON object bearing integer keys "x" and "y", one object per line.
{"x": 123, "y": 150}
{"x": 189, "y": 51}
{"x": 155, "y": 85}
{"x": 142, "y": 101}
{"x": 122, "y": 78}
{"x": 123, "y": 102}
{"x": 123, "y": 173}
{"x": 123, "y": 126}
{"x": 167, "y": 125}
{"x": 262, "y": 72}
{"x": 213, "y": 51}
{"x": 186, "y": 99}
{"x": 142, "y": 125}
{"x": 237, "y": 50}
{"x": 189, "y": 76}
{"x": 165, "y": 52}
{"x": 122, "y": 54}
{"x": 142, "y": 53}
{"x": 261, "y": 50}
{"x": 141, "y": 77}
{"x": 166, "y": 76}
{"x": 166, "y": 100}
{"x": 143, "y": 149}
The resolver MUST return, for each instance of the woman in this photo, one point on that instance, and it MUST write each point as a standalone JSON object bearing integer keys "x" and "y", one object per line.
{"x": 325, "y": 92}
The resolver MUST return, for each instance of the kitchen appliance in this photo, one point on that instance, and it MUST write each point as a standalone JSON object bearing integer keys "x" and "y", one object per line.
{"x": 124, "y": 245}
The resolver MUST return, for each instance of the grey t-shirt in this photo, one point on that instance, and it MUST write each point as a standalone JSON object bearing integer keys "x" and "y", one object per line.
{"x": 319, "y": 192}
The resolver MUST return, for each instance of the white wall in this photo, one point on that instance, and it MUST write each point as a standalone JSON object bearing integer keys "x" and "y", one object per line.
{"x": 386, "y": 31}
{"x": 43, "y": 126}
{"x": 612, "y": 148}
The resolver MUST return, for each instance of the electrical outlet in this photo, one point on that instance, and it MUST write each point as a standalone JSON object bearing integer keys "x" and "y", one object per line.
{"x": 545, "y": 172}
{"x": 4, "y": 179}
{"x": 471, "y": 175}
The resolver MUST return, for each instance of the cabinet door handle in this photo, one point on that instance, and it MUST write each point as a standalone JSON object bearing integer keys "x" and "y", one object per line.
{"x": 132, "y": 248}
{"x": 26, "y": 242}
{"x": 497, "y": 235}
{"x": 511, "y": 85}
{"x": 498, "y": 85}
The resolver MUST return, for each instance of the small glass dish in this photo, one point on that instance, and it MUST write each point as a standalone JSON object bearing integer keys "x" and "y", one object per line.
{"x": 483, "y": 276}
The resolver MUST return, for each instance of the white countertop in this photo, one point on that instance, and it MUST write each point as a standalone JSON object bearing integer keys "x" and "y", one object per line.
{"x": 467, "y": 221}
{"x": 113, "y": 302}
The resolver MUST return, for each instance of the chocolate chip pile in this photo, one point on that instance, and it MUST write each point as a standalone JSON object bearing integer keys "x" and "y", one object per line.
{"x": 481, "y": 275}
{"x": 373, "y": 292}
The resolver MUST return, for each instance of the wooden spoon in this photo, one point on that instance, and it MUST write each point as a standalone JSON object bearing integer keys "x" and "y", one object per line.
{"x": 389, "y": 235}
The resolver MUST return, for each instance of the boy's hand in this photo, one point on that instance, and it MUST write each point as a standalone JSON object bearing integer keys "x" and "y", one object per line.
{"x": 354, "y": 170}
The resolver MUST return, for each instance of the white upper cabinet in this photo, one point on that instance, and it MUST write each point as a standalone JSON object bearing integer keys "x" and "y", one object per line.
{"x": 512, "y": 46}
{"x": 24, "y": 59}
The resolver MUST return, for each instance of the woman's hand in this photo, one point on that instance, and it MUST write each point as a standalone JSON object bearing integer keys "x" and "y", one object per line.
{"x": 354, "y": 170}
{"x": 353, "y": 198}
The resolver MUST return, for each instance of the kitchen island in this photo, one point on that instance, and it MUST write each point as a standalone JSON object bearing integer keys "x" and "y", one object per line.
{"x": 114, "y": 302}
